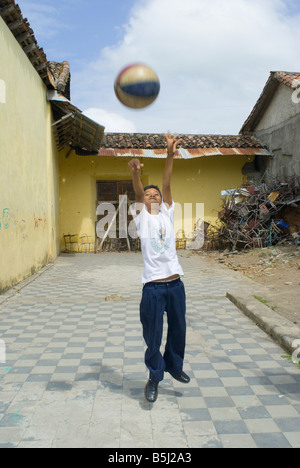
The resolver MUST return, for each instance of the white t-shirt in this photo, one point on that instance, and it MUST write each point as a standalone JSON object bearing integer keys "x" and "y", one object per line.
{"x": 158, "y": 244}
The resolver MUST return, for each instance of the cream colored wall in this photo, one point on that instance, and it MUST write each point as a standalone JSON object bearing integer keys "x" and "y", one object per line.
{"x": 198, "y": 180}
{"x": 29, "y": 213}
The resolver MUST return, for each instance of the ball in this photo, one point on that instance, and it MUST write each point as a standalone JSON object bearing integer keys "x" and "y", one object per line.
{"x": 137, "y": 86}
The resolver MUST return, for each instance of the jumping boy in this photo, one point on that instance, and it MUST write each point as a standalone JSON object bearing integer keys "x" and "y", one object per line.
{"x": 163, "y": 289}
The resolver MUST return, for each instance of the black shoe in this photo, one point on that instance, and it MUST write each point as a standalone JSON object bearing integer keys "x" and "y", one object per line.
{"x": 151, "y": 391}
{"x": 183, "y": 378}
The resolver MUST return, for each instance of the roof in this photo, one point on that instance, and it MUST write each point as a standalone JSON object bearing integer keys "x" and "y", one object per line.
{"x": 55, "y": 75}
{"x": 154, "y": 145}
{"x": 290, "y": 79}
{"x": 72, "y": 128}
{"x": 60, "y": 77}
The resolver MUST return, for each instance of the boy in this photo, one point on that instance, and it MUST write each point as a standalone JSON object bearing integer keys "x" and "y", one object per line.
{"x": 163, "y": 289}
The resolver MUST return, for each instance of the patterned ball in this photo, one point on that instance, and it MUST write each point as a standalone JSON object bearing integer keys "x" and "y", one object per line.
{"x": 137, "y": 86}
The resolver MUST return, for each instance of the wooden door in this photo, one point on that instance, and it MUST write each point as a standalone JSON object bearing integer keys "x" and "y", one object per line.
{"x": 109, "y": 191}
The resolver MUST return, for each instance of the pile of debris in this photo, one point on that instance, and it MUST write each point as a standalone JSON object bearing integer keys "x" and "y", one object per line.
{"x": 257, "y": 216}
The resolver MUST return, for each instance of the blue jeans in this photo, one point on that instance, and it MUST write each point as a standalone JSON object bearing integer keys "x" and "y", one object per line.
{"x": 159, "y": 298}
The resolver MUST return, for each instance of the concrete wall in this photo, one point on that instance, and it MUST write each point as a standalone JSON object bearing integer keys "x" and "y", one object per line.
{"x": 29, "y": 189}
{"x": 198, "y": 180}
{"x": 279, "y": 129}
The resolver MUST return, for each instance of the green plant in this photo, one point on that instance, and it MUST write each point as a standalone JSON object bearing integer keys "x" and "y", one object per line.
{"x": 265, "y": 302}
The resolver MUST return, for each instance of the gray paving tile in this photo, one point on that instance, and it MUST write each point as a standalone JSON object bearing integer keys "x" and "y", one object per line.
{"x": 270, "y": 440}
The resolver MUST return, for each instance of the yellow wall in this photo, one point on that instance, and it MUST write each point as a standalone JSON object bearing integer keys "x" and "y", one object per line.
{"x": 199, "y": 180}
{"x": 29, "y": 213}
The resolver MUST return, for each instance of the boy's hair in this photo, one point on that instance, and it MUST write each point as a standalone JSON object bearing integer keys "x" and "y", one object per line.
{"x": 153, "y": 186}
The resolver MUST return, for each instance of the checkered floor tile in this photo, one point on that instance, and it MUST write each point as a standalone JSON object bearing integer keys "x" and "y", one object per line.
{"x": 74, "y": 374}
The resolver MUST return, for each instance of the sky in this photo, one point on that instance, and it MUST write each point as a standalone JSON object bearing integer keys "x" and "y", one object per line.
{"x": 213, "y": 57}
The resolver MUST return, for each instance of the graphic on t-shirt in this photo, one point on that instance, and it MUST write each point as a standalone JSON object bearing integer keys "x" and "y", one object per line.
{"x": 160, "y": 237}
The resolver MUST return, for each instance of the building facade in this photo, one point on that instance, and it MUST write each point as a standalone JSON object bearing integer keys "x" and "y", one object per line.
{"x": 29, "y": 189}
{"x": 275, "y": 122}
{"x": 204, "y": 166}
{"x": 37, "y": 122}
{"x": 58, "y": 170}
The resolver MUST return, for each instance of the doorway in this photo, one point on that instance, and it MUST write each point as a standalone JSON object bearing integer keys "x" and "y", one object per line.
{"x": 109, "y": 191}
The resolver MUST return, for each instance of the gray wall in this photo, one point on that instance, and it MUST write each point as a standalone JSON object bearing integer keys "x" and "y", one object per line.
{"x": 279, "y": 130}
{"x": 283, "y": 142}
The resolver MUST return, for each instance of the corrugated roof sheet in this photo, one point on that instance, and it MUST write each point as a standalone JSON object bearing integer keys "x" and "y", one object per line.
{"x": 184, "y": 153}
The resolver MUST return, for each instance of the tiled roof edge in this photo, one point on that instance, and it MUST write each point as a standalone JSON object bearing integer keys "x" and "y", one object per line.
{"x": 158, "y": 141}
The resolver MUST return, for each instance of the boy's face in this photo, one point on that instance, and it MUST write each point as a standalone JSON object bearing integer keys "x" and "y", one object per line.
{"x": 152, "y": 197}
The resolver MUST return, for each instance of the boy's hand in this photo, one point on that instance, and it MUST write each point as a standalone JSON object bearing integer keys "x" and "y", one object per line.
{"x": 172, "y": 143}
{"x": 135, "y": 166}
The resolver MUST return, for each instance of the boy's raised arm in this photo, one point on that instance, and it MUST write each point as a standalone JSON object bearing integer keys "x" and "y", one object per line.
{"x": 172, "y": 143}
{"x": 135, "y": 167}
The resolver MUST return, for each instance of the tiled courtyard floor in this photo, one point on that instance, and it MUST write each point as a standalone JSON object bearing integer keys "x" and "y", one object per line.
{"x": 74, "y": 374}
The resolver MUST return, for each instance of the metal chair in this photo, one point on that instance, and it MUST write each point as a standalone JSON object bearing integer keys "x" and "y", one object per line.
{"x": 71, "y": 245}
{"x": 86, "y": 243}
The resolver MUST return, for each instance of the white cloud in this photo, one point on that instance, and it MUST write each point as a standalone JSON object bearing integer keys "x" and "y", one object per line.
{"x": 213, "y": 58}
{"x": 111, "y": 121}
